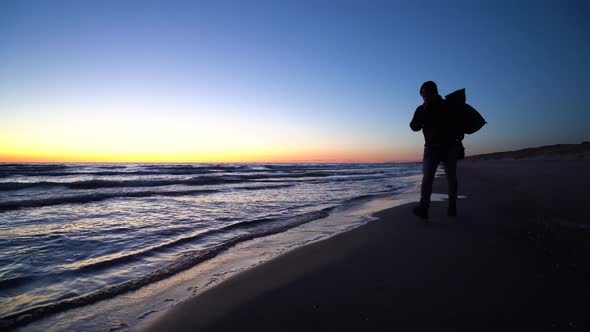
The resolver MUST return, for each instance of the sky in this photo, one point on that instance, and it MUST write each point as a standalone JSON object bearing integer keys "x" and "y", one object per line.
{"x": 282, "y": 81}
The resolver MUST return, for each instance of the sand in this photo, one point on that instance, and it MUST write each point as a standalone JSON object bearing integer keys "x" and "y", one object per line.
{"x": 516, "y": 258}
{"x": 547, "y": 152}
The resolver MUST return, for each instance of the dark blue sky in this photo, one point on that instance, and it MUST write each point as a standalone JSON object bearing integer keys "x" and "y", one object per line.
{"x": 340, "y": 77}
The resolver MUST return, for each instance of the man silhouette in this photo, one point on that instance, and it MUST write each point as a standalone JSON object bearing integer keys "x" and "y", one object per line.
{"x": 442, "y": 135}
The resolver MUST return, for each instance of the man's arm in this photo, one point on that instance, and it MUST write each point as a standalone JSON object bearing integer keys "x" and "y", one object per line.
{"x": 417, "y": 121}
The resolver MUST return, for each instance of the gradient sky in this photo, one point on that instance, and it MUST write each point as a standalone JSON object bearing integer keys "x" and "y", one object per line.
{"x": 282, "y": 80}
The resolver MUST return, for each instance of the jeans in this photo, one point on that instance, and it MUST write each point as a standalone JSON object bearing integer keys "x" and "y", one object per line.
{"x": 433, "y": 155}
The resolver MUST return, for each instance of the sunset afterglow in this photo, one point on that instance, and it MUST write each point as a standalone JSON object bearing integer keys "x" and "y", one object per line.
{"x": 275, "y": 82}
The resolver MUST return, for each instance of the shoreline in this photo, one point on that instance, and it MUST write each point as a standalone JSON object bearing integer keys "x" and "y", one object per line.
{"x": 481, "y": 269}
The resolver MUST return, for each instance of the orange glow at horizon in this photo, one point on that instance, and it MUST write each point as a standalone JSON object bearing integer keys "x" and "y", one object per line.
{"x": 286, "y": 156}
{"x": 54, "y": 132}
{"x": 182, "y": 149}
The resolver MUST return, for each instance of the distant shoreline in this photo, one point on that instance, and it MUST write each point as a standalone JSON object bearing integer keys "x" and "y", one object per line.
{"x": 547, "y": 152}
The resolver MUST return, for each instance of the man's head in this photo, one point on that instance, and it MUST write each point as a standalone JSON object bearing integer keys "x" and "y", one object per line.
{"x": 428, "y": 90}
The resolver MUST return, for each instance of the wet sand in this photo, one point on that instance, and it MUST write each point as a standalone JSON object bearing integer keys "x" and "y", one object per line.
{"x": 517, "y": 257}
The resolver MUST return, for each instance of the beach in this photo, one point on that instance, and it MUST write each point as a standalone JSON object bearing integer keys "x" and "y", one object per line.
{"x": 258, "y": 166}
{"x": 515, "y": 258}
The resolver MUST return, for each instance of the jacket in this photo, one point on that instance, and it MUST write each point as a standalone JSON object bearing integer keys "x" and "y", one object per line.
{"x": 440, "y": 124}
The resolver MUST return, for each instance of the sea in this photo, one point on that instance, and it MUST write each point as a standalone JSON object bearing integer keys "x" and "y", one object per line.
{"x": 77, "y": 234}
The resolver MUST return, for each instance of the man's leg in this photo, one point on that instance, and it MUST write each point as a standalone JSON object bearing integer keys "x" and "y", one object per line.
{"x": 430, "y": 162}
{"x": 450, "y": 165}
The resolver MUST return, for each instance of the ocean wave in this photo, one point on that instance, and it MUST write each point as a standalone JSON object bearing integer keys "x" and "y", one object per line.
{"x": 121, "y": 171}
{"x": 168, "y": 171}
{"x": 111, "y": 166}
{"x": 347, "y": 178}
{"x": 14, "y": 282}
{"x": 360, "y": 178}
{"x": 195, "y": 181}
{"x": 95, "y": 197}
{"x": 186, "y": 261}
{"x": 278, "y": 186}
{"x": 196, "y": 166}
{"x": 114, "y": 170}
{"x": 257, "y": 226}
{"x": 10, "y": 169}
{"x": 31, "y": 166}
{"x": 96, "y": 184}
{"x": 107, "y": 173}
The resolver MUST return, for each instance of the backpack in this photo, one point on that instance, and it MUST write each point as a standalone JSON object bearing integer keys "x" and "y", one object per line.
{"x": 471, "y": 120}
